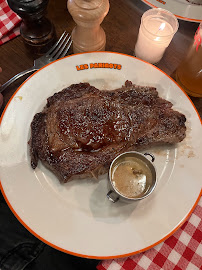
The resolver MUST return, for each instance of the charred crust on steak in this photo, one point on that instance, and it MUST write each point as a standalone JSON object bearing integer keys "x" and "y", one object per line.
{"x": 82, "y": 129}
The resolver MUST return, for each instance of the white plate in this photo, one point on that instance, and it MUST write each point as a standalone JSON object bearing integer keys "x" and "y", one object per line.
{"x": 181, "y": 8}
{"x": 77, "y": 217}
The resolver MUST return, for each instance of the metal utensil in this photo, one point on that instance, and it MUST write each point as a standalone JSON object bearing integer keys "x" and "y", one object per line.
{"x": 59, "y": 50}
{"x": 114, "y": 194}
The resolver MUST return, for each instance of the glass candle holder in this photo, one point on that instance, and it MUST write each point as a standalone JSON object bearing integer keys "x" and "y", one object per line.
{"x": 157, "y": 29}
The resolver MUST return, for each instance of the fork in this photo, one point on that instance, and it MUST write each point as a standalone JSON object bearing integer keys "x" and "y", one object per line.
{"x": 59, "y": 50}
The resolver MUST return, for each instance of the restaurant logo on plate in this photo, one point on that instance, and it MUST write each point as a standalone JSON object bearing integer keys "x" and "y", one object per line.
{"x": 161, "y": 1}
{"x": 98, "y": 65}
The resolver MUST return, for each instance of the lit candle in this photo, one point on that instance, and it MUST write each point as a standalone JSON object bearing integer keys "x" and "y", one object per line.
{"x": 157, "y": 29}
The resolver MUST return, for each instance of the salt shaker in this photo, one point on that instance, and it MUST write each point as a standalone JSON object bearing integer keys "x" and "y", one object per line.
{"x": 88, "y": 35}
{"x": 37, "y": 32}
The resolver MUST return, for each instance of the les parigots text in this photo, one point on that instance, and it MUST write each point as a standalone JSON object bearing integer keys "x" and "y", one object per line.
{"x": 98, "y": 65}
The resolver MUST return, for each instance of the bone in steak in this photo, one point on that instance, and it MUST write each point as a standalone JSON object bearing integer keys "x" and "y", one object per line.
{"x": 82, "y": 129}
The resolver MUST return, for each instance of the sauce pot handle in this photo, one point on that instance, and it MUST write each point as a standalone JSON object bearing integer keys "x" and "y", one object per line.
{"x": 151, "y": 155}
{"x": 112, "y": 196}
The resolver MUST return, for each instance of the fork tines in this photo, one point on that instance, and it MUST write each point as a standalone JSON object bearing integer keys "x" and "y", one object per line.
{"x": 61, "y": 47}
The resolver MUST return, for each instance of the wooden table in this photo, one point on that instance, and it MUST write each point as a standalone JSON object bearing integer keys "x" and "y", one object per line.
{"x": 121, "y": 26}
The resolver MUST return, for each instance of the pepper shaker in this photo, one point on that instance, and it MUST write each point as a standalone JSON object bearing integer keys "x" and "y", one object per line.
{"x": 88, "y": 35}
{"x": 37, "y": 31}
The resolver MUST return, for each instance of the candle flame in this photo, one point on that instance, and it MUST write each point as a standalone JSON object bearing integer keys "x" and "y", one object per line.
{"x": 162, "y": 26}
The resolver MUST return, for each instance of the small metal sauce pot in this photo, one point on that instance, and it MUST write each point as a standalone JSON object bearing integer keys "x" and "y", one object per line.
{"x": 114, "y": 195}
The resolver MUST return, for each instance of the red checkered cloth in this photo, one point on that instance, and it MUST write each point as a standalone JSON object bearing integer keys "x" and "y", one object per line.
{"x": 9, "y": 23}
{"x": 181, "y": 251}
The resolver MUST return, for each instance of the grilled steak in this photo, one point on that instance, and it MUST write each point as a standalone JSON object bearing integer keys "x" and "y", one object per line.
{"x": 82, "y": 129}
